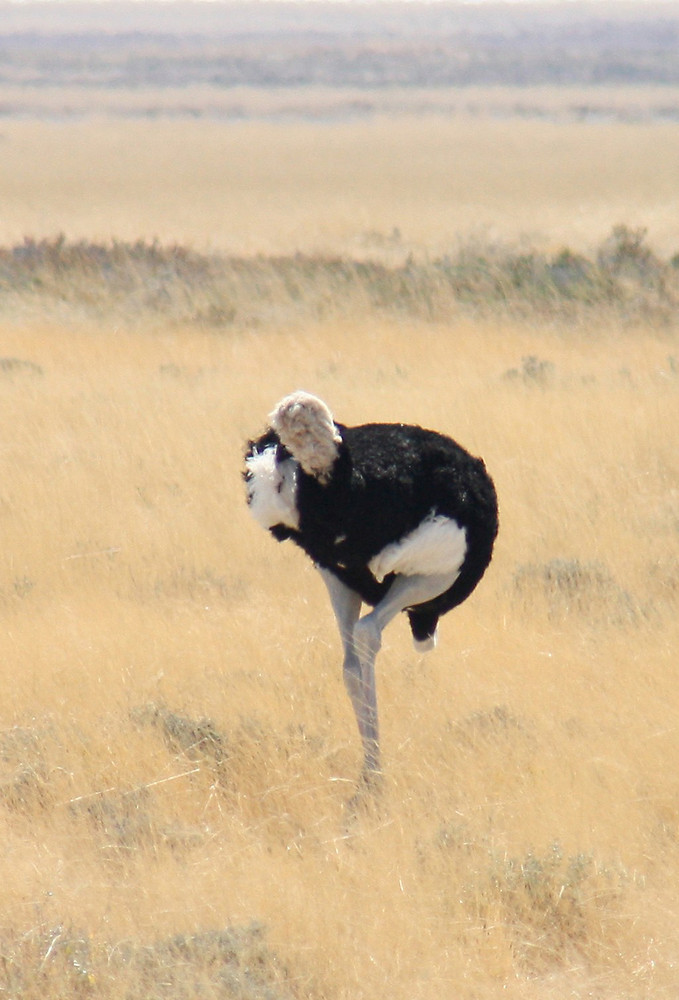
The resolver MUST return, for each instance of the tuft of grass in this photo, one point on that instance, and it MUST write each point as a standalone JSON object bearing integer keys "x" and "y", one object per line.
{"x": 573, "y": 586}
{"x": 61, "y": 960}
{"x": 25, "y": 771}
{"x": 534, "y": 371}
{"x": 549, "y": 907}
{"x": 551, "y": 904}
{"x": 197, "y": 739}
{"x": 235, "y": 962}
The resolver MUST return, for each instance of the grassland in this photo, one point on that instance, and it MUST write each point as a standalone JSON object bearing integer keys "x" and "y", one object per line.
{"x": 349, "y": 187}
{"x": 176, "y": 747}
{"x": 176, "y": 744}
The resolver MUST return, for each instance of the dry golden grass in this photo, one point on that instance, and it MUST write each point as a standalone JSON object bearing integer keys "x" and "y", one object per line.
{"x": 344, "y": 186}
{"x": 176, "y": 745}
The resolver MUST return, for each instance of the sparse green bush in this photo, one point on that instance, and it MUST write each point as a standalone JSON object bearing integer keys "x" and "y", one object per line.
{"x": 625, "y": 254}
{"x": 552, "y": 904}
{"x": 61, "y": 961}
{"x": 533, "y": 371}
{"x": 25, "y": 769}
{"x": 550, "y": 907}
{"x": 570, "y": 586}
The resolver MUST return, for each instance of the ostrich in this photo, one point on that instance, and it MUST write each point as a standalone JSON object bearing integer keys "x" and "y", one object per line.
{"x": 393, "y": 516}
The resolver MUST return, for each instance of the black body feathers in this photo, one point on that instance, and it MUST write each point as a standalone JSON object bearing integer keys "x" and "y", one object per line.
{"x": 385, "y": 481}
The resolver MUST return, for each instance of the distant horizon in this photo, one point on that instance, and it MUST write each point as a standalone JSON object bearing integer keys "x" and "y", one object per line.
{"x": 337, "y": 43}
{"x": 460, "y": 3}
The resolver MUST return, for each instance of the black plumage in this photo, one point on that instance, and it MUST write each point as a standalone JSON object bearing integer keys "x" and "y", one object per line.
{"x": 386, "y": 480}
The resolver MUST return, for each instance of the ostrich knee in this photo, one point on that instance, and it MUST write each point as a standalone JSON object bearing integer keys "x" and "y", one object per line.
{"x": 367, "y": 638}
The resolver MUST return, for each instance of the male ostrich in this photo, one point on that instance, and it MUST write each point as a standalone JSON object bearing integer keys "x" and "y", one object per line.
{"x": 393, "y": 515}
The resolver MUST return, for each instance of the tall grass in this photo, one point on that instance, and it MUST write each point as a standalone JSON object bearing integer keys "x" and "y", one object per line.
{"x": 176, "y": 748}
{"x": 139, "y": 281}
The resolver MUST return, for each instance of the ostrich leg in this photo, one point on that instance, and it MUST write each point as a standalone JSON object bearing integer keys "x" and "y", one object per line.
{"x": 362, "y": 639}
{"x": 346, "y": 604}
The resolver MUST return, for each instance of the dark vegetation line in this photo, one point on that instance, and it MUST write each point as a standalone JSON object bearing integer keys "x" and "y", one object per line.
{"x": 135, "y": 60}
{"x": 366, "y": 45}
{"x": 135, "y": 281}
